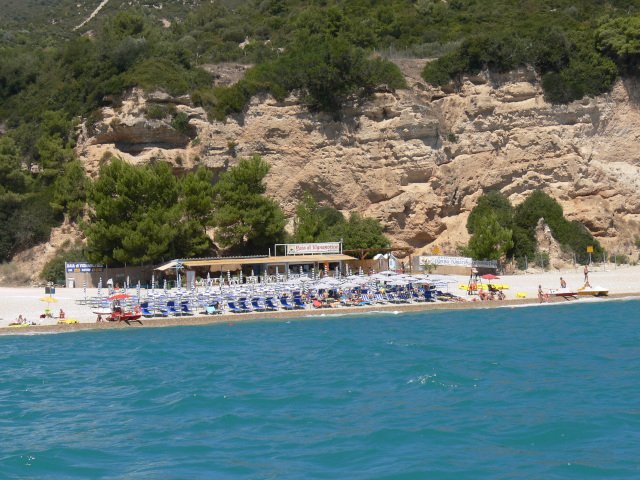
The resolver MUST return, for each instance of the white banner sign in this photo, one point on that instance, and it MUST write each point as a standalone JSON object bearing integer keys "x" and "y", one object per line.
{"x": 456, "y": 261}
{"x": 448, "y": 261}
{"x": 301, "y": 248}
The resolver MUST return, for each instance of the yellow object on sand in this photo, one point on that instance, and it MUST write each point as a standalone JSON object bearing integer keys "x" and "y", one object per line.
{"x": 521, "y": 294}
{"x": 67, "y": 321}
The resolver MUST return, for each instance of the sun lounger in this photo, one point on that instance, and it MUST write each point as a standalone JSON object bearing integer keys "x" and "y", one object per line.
{"x": 233, "y": 308}
{"x": 270, "y": 305}
{"x": 365, "y": 299}
{"x": 171, "y": 307}
{"x": 285, "y": 304}
{"x": 185, "y": 308}
{"x": 417, "y": 297}
{"x": 255, "y": 303}
{"x": 298, "y": 303}
{"x": 379, "y": 298}
{"x": 242, "y": 303}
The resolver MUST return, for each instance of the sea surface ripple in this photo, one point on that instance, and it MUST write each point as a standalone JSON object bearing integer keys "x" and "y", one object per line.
{"x": 502, "y": 393}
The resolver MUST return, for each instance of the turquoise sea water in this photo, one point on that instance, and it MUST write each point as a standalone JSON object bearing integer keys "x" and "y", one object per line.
{"x": 541, "y": 392}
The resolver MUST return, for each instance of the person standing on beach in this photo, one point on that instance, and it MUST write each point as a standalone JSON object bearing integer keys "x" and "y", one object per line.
{"x": 540, "y": 294}
{"x": 563, "y": 284}
{"x": 586, "y": 274}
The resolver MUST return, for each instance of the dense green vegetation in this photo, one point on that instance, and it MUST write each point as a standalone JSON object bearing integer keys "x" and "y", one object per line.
{"x": 53, "y": 77}
{"x": 325, "y": 224}
{"x": 246, "y": 219}
{"x": 498, "y": 228}
{"x": 145, "y": 214}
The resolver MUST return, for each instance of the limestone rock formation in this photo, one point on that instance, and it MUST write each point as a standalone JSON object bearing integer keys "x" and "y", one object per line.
{"x": 417, "y": 159}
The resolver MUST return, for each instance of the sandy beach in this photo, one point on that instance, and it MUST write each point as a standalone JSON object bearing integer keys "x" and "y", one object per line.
{"x": 621, "y": 281}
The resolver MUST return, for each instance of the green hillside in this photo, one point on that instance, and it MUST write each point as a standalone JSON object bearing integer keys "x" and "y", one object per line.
{"x": 52, "y": 76}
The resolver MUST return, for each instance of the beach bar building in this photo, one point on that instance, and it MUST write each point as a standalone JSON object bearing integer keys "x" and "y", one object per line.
{"x": 323, "y": 257}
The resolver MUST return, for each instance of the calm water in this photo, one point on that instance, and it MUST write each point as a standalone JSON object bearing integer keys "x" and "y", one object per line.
{"x": 541, "y": 392}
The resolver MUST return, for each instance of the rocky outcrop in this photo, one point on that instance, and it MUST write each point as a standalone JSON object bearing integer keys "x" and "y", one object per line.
{"x": 417, "y": 159}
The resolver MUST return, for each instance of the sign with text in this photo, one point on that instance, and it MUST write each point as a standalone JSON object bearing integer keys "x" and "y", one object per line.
{"x": 589, "y": 249}
{"x": 82, "y": 267}
{"x": 456, "y": 261}
{"x": 302, "y": 248}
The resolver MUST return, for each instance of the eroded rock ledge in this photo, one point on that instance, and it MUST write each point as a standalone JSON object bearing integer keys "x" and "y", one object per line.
{"x": 417, "y": 159}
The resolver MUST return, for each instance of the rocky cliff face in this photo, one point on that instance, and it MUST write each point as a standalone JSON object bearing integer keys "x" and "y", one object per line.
{"x": 416, "y": 159}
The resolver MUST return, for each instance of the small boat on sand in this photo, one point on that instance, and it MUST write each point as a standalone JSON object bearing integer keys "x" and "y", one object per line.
{"x": 594, "y": 291}
{"x": 562, "y": 292}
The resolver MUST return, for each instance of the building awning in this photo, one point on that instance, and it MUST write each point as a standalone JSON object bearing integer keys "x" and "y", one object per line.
{"x": 240, "y": 261}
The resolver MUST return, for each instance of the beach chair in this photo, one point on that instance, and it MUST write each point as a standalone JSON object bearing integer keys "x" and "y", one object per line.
{"x": 162, "y": 310}
{"x": 270, "y": 305}
{"x": 365, "y": 299}
{"x": 242, "y": 303}
{"x": 380, "y": 298}
{"x": 185, "y": 308}
{"x": 255, "y": 303}
{"x": 417, "y": 297}
{"x": 430, "y": 295}
{"x": 233, "y": 308}
{"x": 286, "y": 305}
{"x": 298, "y": 302}
{"x": 171, "y": 308}
{"x": 144, "y": 309}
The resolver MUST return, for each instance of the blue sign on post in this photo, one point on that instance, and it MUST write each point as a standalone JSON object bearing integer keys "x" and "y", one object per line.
{"x": 82, "y": 267}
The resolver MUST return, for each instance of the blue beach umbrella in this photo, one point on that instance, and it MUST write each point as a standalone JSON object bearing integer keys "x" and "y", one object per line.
{"x": 84, "y": 287}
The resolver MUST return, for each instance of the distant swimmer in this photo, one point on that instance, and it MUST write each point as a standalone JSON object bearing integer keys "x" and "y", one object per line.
{"x": 563, "y": 284}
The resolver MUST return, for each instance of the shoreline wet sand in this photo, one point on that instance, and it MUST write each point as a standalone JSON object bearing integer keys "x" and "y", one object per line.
{"x": 301, "y": 314}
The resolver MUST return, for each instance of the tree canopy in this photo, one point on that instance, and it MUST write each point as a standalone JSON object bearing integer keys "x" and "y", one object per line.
{"x": 144, "y": 214}
{"x": 245, "y": 218}
{"x": 326, "y": 224}
{"x": 498, "y": 228}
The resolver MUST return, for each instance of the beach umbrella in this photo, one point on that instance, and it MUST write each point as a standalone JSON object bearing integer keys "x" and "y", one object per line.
{"x": 138, "y": 291}
{"x": 240, "y": 277}
{"x": 326, "y": 270}
{"x": 229, "y": 277}
{"x": 208, "y": 279}
{"x": 49, "y": 300}
{"x": 337, "y": 275}
{"x": 277, "y": 276}
{"x": 490, "y": 276}
{"x": 84, "y": 287}
{"x": 99, "y": 286}
{"x": 119, "y": 296}
{"x": 164, "y": 287}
